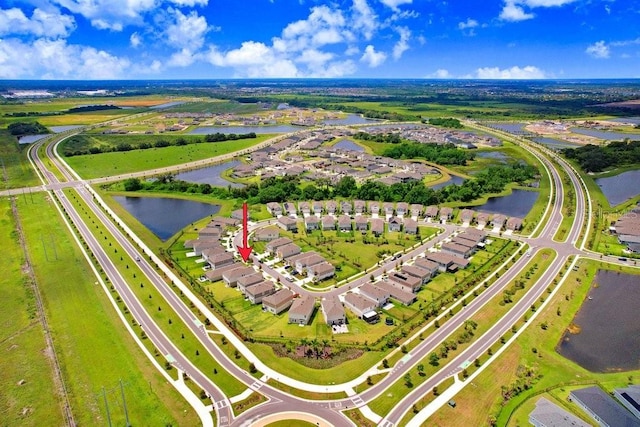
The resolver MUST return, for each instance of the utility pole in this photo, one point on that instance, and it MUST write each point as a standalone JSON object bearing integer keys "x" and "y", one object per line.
{"x": 124, "y": 402}
{"x": 106, "y": 405}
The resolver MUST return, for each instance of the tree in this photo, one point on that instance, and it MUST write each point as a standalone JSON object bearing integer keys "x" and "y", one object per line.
{"x": 385, "y": 364}
{"x": 132, "y": 184}
{"x": 252, "y": 368}
{"x": 407, "y": 380}
{"x": 434, "y": 359}
{"x": 420, "y": 368}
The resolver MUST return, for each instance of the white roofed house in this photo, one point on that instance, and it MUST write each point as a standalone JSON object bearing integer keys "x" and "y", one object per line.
{"x": 333, "y": 311}
{"x": 311, "y": 223}
{"x": 257, "y": 292}
{"x": 302, "y": 310}
{"x": 278, "y": 302}
{"x": 321, "y": 271}
{"x": 287, "y": 223}
{"x": 359, "y": 304}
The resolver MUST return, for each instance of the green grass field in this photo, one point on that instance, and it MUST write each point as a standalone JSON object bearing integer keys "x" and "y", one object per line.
{"x": 15, "y": 169}
{"x": 93, "y": 347}
{"x": 106, "y": 164}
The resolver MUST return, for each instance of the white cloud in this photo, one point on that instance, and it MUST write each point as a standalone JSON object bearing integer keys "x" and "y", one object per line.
{"x": 401, "y": 45}
{"x": 55, "y": 59}
{"x": 254, "y": 59}
{"x": 135, "y": 40}
{"x": 373, "y": 58}
{"x": 364, "y": 19}
{"x": 598, "y": 50}
{"x": 440, "y": 73}
{"x": 393, "y": 4}
{"x": 546, "y": 3}
{"x": 182, "y": 58}
{"x": 41, "y": 24}
{"x": 469, "y": 23}
{"x": 314, "y": 57}
{"x": 187, "y": 31}
{"x": 513, "y": 73}
{"x": 514, "y": 13}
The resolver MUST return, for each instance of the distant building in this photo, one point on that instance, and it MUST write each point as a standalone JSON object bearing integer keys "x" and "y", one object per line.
{"x": 630, "y": 398}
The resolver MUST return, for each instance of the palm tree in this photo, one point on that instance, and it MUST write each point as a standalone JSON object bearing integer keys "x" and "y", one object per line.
{"x": 325, "y": 343}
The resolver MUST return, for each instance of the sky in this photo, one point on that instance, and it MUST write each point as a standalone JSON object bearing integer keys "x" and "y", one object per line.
{"x": 212, "y": 39}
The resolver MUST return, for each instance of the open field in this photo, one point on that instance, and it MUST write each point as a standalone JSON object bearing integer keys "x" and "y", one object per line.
{"x": 88, "y": 334}
{"x": 15, "y": 169}
{"x": 106, "y": 164}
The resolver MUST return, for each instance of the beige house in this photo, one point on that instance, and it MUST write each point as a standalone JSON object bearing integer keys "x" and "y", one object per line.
{"x": 278, "y": 302}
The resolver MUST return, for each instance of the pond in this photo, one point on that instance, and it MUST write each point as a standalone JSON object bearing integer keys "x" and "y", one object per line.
{"x": 166, "y": 105}
{"x": 351, "y": 119}
{"x": 634, "y": 120}
{"x": 608, "y": 331}
{"x": 165, "y": 216}
{"x": 347, "y": 144}
{"x": 608, "y": 136}
{"x": 30, "y": 139}
{"x": 455, "y": 179}
{"x": 60, "y": 129}
{"x": 620, "y": 188}
{"x": 496, "y": 155}
{"x": 211, "y": 175}
{"x": 554, "y": 143}
{"x": 206, "y": 130}
{"x": 517, "y": 204}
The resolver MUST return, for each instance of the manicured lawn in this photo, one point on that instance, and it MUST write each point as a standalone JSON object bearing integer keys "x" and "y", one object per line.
{"x": 106, "y": 164}
{"x": 88, "y": 334}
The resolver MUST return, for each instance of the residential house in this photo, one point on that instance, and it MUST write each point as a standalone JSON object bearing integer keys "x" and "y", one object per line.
{"x": 447, "y": 262}
{"x": 257, "y": 292}
{"x": 275, "y": 209}
{"x": 630, "y": 398}
{"x": 303, "y": 264}
{"x": 321, "y": 271}
{"x": 246, "y": 281}
{"x": 273, "y": 245}
{"x": 344, "y": 223}
{"x": 405, "y": 281}
{"x": 446, "y": 214}
{"x": 278, "y": 302}
{"x": 402, "y": 208}
{"x": 415, "y": 271}
{"x": 331, "y": 207}
{"x": 498, "y": 221}
{"x": 290, "y": 208}
{"x": 210, "y": 252}
{"x": 359, "y": 304}
{"x": 387, "y": 207}
{"x": 425, "y": 264}
{"x": 431, "y": 212}
{"x": 548, "y": 414}
{"x": 410, "y": 226}
{"x": 199, "y": 246}
{"x": 473, "y": 235}
{"x": 416, "y": 210}
{"x": 483, "y": 219}
{"x": 220, "y": 260}
{"x": 345, "y": 208}
{"x": 514, "y": 224}
{"x": 209, "y": 232}
{"x": 375, "y": 293}
{"x": 361, "y": 223}
{"x": 215, "y": 275}
{"x": 286, "y": 251}
{"x": 328, "y": 222}
{"x": 360, "y": 207}
{"x": 466, "y": 216}
{"x": 602, "y": 408}
{"x": 457, "y": 249}
{"x": 377, "y": 227}
{"x": 287, "y": 223}
{"x": 266, "y": 234}
{"x": 311, "y": 222}
{"x": 231, "y": 277}
{"x": 302, "y": 310}
{"x": 304, "y": 208}
{"x": 395, "y": 224}
{"x": 239, "y": 214}
{"x": 317, "y": 208}
{"x": 333, "y": 311}
{"x": 374, "y": 208}
{"x": 397, "y": 293}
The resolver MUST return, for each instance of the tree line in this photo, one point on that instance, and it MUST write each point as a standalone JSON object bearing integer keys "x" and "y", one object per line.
{"x": 290, "y": 188}
{"x": 79, "y": 145}
{"x": 597, "y": 158}
{"x": 443, "y": 154}
{"x": 26, "y": 128}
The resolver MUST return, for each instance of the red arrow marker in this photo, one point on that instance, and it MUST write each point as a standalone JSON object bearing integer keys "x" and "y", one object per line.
{"x": 245, "y": 250}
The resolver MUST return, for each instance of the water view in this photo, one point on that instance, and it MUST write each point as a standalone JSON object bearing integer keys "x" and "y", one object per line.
{"x": 165, "y": 216}
{"x": 509, "y": 127}
{"x": 166, "y": 105}
{"x": 30, "y": 139}
{"x": 517, "y": 204}
{"x": 211, "y": 175}
{"x": 347, "y": 144}
{"x": 634, "y": 120}
{"x": 608, "y": 136}
{"x": 351, "y": 119}
{"x": 60, "y": 129}
{"x": 554, "y": 143}
{"x": 455, "y": 179}
{"x": 620, "y": 188}
{"x": 496, "y": 155}
{"x": 206, "y": 130}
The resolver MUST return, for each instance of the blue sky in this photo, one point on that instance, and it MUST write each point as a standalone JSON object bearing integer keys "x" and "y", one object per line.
{"x": 182, "y": 39}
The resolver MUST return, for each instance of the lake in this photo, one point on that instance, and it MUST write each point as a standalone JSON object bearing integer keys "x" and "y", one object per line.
{"x": 347, "y": 144}
{"x": 554, "y": 143}
{"x": 166, "y": 105}
{"x": 455, "y": 179}
{"x": 634, "y": 120}
{"x": 609, "y": 136}
{"x": 30, "y": 139}
{"x": 608, "y": 337}
{"x": 517, "y": 204}
{"x": 211, "y": 175}
{"x": 620, "y": 188}
{"x": 165, "y": 216}
{"x": 60, "y": 129}
{"x": 206, "y": 130}
{"x": 496, "y": 155}
{"x": 351, "y": 119}
{"x": 508, "y": 127}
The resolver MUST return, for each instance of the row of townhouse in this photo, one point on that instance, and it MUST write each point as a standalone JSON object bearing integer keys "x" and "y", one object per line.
{"x": 310, "y": 263}
{"x": 627, "y": 228}
{"x": 345, "y": 223}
